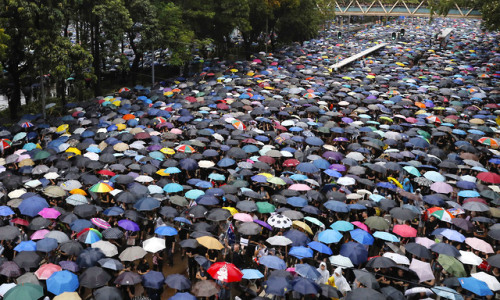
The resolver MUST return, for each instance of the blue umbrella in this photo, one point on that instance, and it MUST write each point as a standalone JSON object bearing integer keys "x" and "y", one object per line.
{"x": 182, "y": 220}
{"x": 447, "y": 293}
{"x": 32, "y": 206}
{"x": 5, "y": 211}
{"x": 217, "y": 192}
{"x": 62, "y": 281}
{"x": 357, "y": 253}
{"x": 46, "y": 245}
{"x": 362, "y": 237}
{"x": 301, "y": 252}
{"x": 226, "y": 162}
{"x": 207, "y": 200}
{"x": 172, "y": 170}
{"x": 296, "y": 201}
{"x": 433, "y": 200}
{"x": 298, "y": 177}
{"x": 330, "y": 236}
{"x": 419, "y": 142}
{"x": 336, "y": 206}
{"x": 252, "y": 274}
{"x": 298, "y": 238}
{"x": 80, "y": 224}
{"x": 386, "y": 236}
{"x": 25, "y": 246}
{"x": 182, "y": 296}
{"x": 307, "y": 271}
{"x": 173, "y": 188}
{"x": 278, "y": 286}
{"x": 188, "y": 164}
{"x": 146, "y": 204}
{"x": 314, "y": 141}
{"x": 153, "y": 280}
{"x": 446, "y": 249}
{"x": 178, "y": 282}
{"x": 476, "y": 286}
{"x": 247, "y": 149}
{"x": 342, "y": 225}
{"x": 272, "y": 262}
{"x": 307, "y": 168}
{"x": 217, "y": 177}
{"x": 305, "y": 286}
{"x": 320, "y": 247}
{"x": 449, "y": 234}
{"x": 332, "y": 173}
{"x": 193, "y": 194}
{"x": 468, "y": 194}
{"x": 204, "y": 184}
{"x": 113, "y": 211}
{"x": 166, "y": 231}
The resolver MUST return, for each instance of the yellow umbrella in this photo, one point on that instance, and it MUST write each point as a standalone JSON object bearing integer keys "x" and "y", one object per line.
{"x": 26, "y": 162}
{"x": 68, "y": 296}
{"x": 303, "y": 226}
{"x": 232, "y": 210}
{"x": 168, "y": 151}
{"x": 439, "y": 108}
{"x": 276, "y": 180}
{"x": 267, "y": 175}
{"x": 420, "y": 112}
{"x": 476, "y": 121}
{"x": 400, "y": 64}
{"x": 234, "y": 70}
{"x": 370, "y": 77}
{"x": 161, "y": 172}
{"x": 74, "y": 150}
{"x": 121, "y": 126}
{"x": 386, "y": 119}
{"x": 395, "y": 181}
{"x": 78, "y": 192}
{"x": 210, "y": 243}
{"x": 62, "y": 128}
{"x": 347, "y": 78}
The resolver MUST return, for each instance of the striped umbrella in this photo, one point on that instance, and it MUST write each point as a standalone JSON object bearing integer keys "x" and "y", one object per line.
{"x": 89, "y": 236}
{"x": 5, "y": 144}
{"x": 238, "y": 125}
{"x": 100, "y": 223}
{"x": 27, "y": 125}
{"x": 185, "y": 149}
{"x": 101, "y": 187}
{"x": 489, "y": 142}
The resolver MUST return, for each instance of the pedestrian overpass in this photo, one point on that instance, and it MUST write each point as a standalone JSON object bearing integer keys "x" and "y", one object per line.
{"x": 407, "y": 8}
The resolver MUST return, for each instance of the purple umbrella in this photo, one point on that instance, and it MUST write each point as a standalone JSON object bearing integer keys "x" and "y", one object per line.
{"x": 263, "y": 224}
{"x": 333, "y": 155}
{"x": 128, "y": 225}
{"x": 69, "y": 265}
{"x": 347, "y": 120}
{"x": 338, "y": 167}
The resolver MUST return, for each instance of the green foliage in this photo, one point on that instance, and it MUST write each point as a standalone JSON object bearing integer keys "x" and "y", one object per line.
{"x": 4, "y": 38}
{"x": 490, "y": 9}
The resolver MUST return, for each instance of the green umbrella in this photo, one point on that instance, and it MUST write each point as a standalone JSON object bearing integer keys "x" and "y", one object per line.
{"x": 41, "y": 155}
{"x": 424, "y": 133}
{"x": 452, "y": 265}
{"x": 25, "y": 291}
{"x": 315, "y": 221}
{"x": 412, "y": 170}
{"x": 265, "y": 207}
{"x": 376, "y": 222}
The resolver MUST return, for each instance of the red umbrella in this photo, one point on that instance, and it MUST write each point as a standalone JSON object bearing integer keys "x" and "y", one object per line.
{"x": 489, "y": 177}
{"x": 20, "y": 221}
{"x": 292, "y": 162}
{"x": 267, "y": 159}
{"x": 106, "y": 173}
{"x": 225, "y": 272}
{"x": 404, "y": 231}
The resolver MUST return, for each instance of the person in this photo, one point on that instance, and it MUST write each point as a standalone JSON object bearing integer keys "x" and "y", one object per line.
{"x": 324, "y": 274}
{"x": 340, "y": 282}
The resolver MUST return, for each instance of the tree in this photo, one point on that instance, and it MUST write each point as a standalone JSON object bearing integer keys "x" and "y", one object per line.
{"x": 490, "y": 9}
{"x": 29, "y": 24}
{"x": 4, "y": 38}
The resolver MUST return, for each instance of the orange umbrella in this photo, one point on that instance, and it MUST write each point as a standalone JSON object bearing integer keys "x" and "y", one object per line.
{"x": 128, "y": 117}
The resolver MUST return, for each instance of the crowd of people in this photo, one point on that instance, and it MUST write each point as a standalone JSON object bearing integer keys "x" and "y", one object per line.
{"x": 277, "y": 177}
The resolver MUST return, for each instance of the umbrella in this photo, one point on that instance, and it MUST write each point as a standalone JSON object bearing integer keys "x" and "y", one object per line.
{"x": 366, "y": 278}
{"x": 62, "y": 281}
{"x": 272, "y": 262}
{"x": 108, "y": 293}
{"x": 205, "y": 288}
{"x": 178, "y": 282}
{"x": 478, "y": 287}
{"x": 225, "y": 272}
{"x": 94, "y": 277}
{"x": 128, "y": 278}
{"x": 357, "y": 253}
{"x": 132, "y": 253}
{"x": 423, "y": 270}
{"x": 364, "y": 293}
{"x": 23, "y": 291}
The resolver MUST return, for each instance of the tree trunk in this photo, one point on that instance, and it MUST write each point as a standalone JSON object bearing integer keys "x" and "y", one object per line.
{"x": 15, "y": 98}
{"x": 97, "y": 56}
{"x": 62, "y": 91}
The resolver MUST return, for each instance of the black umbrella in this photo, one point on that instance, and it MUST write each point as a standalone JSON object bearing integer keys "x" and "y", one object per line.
{"x": 189, "y": 243}
{"x": 9, "y": 232}
{"x": 366, "y": 278}
{"x": 178, "y": 282}
{"x": 418, "y": 250}
{"x": 128, "y": 278}
{"x": 89, "y": 257}
{"x": 218, "y": 214}
{"x": 71, "y": 248}
{"x": 108, "y": 293}
{"x": 10, "y": 269}
{"x": 380, "y": 262}
{"x": 392, "y": 293}
{"x": 28, "y": 259}
{"x": 85, "y": 210}
{"x": 249, "y": 228}
{"x": 112, "y": 233}
{"x": 364, "y": 293}
{"x": 94, "y": 277}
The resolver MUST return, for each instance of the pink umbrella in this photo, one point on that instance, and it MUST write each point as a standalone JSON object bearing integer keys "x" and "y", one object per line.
{"x": 243, "y": 217}
{"x": 39, "y": 234}
{"x": 300, "y": 187}
{"x": 441, "y": 187}
{"x": 404, "y": 231}
{"x": 361, "y": 225}
{"x": 49, "y": 213}
{"x": 426, "y": 242}
{"x": 176, "y": 131}
{"x": 423, "y": 270}
{"x": 100, "y": 223}
{"x": 46, "y": 270}
{"x": 479, "y": 245}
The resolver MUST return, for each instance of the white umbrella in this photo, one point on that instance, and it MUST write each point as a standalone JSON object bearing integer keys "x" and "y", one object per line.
{"x": 4, "y": 288}
{"x": 16, "y": 193}
{"x": 279, "y": 221}
{"x": 60, "y": 236}
{"x": 106, "y": 247}
{"x": 356, "y": 156}
{"x": 423, "y": 270}
{"x": 77, "y": 199}
{"x": 144, "y": 178}
{"x": 206, "y": 164}
{"x": 285, "y": 153}
{"x": 132, "y": 253}
{"x": 33, "y": 183}
{"x": 51, "y": 175}
{"x": 490, "y": 280}
{"x": 346, "y": 181}
{"x": 278, "y": 240}
{"x": 71, "y": 185}
{"x": 92, "y": 156}
{"x": 469, "y": 258}
{"x": 341, "y": 261}
{"x": 398, "y": 258}
{"x": 154, "y": 244}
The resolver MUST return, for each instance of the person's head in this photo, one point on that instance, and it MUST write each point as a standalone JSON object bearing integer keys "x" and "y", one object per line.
{"x": 400, "y": 273}
{"x": 322, "y": 266}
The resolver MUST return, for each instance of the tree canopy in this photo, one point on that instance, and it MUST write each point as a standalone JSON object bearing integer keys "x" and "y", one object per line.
{"x": 490, "y": 9}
